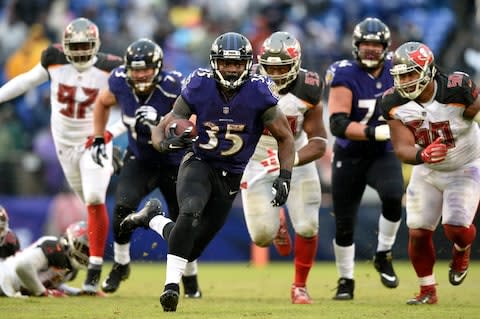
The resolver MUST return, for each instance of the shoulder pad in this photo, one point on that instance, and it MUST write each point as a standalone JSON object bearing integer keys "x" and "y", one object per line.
{"x": 338, "y": 70}
{"x": 55, "y": 252}
{"x": 266, "y": 86}
{"x": 391, "y": 99}
{"x": 108, "y": 62}
{"x": 308, "y": 86}
{"x": 457, "y": 87}
{"x": 195, "y": 78}
{"x": 53, "y": 55}
{"x": 174, "y": 76}
{"x": 119, "y": 72}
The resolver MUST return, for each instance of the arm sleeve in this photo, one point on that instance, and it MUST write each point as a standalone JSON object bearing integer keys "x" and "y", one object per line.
{"x": 22, "y": 83}
{"x": 181, "y": 108}
{"x": 117, "y": 128}
{"x": 28, "y": 263}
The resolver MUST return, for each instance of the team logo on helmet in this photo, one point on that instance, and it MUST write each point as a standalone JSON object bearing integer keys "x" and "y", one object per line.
{"x": 421, "y": 55}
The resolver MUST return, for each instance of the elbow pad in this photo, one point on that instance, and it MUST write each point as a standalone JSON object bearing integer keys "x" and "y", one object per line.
{"x": 338, "y": 124}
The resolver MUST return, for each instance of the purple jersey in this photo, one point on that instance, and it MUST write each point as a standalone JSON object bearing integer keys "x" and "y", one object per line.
{"x": 228, "y": 131}
{"x": 365, "y": 91}
{"x": 162, "y": 99}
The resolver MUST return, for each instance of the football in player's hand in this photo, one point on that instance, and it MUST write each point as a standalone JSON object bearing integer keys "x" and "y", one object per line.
{"x": 180, "y": 126}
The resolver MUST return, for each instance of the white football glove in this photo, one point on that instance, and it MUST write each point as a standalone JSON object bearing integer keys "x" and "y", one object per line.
{"x": 147, "y": 115}
{"x": 382, "y": 132}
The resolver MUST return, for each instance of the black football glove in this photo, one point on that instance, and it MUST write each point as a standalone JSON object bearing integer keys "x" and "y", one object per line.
{"x": 98, "y": 150}
{"x": 174, "y": 142}
{"x": 147, "y": 115}
{"x": 281, "y": 188}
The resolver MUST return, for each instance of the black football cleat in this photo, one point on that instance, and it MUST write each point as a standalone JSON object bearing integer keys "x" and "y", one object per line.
{"x": 141, "y": 218}
{"x": 190, "y": 287}
{"x": 91, "y": 282}
{"x": 383, "y": 264}
{"x": 118, "y": 273}
{"x": 169, "y": 298}
{"x": 345, "y": 289}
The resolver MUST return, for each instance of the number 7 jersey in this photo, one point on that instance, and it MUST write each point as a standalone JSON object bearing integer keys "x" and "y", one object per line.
{"x": 440, "y": 117}
{"x": 366, "y": 89}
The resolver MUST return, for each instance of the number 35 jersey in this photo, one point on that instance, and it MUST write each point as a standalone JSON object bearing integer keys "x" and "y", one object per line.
{"x": 73, "y": 93}
{"x": 228, "y": 129}
{"x": 440, "y": 117}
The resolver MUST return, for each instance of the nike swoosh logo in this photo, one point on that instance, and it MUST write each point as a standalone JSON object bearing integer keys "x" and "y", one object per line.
{"x": 459, "y": 277}
{"x": 388, "y": 277}
{"x": 232, "y": 192}
{"x": 172, "y": 147}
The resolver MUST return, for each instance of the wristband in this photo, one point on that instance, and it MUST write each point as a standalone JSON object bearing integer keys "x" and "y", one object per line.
{"x": 370, "y": 133}
{"x": 418, "y": 157}
{"x": 284, "y": 173}
{"x": 323, "y": 139}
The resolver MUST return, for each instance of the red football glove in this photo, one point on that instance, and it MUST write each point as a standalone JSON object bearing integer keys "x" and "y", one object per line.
{"x": 54, "y": 293}
{"x": 107, "y": 136}
{"x": 435, "y": 152}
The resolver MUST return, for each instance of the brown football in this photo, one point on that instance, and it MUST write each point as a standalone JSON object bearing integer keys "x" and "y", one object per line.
{"x": 181, "y": 125}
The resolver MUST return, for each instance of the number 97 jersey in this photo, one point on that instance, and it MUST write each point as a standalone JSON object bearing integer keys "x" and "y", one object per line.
{"x": 73, "y": 93}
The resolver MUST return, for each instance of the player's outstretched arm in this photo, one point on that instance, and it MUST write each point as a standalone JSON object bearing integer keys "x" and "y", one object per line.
{"x": 23, "y": 82}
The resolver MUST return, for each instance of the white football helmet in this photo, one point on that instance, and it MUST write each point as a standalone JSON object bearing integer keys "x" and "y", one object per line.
{"x": 81, "y": 42}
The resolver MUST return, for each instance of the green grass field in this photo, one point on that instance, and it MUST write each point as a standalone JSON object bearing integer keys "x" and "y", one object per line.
{"x": 239, "y": 291}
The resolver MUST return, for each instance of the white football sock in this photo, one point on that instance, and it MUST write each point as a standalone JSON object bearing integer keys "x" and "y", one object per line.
{"x": 387, "y": 232}
{"x": 344, "y": 260}
{"x": 191, "y": 269}
{"x": 158, "y": 222}
{"x": 121, "y": 253}
{"x": 175, "y": 269}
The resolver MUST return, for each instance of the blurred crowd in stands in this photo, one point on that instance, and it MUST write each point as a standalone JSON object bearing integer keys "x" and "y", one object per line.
{"x": 185, "y": 30}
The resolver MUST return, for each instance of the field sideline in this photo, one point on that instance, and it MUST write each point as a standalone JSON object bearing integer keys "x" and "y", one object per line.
{"x": 239, "y": 291}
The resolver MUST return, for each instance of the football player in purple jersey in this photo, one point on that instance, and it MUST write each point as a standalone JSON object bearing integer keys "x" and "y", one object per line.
{"x": 363, "y": 153}
{"x": 433, "y": 119}
{"x": 232, "y": 108}
{"x": 300, "y": 93}
{"x": 144, "y": 92}
{"x": 9, "y": 243}
{"x": 77, "y": 71}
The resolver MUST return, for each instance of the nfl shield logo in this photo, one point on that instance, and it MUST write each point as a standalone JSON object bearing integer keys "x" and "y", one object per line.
{"x": 226, "y": 110}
